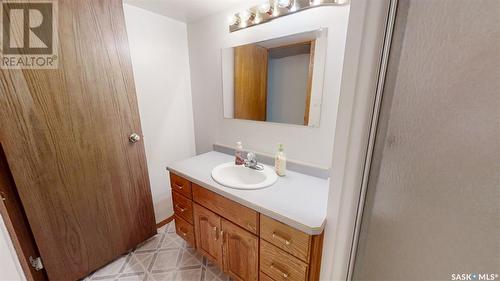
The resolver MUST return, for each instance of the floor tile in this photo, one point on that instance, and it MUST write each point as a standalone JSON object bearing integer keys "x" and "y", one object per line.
{"x": 189, "y": 275}
{"x": 133, "y": 265}
{"x": 164, "y": 257}
{"x": 151, "y": 244}
{"x": 136, "y": 277}
{"x": 167, "y": 276}
{"x": 189, "y": 258}
{"x": 166, "y": 260}
{"x": 111, "y": 270}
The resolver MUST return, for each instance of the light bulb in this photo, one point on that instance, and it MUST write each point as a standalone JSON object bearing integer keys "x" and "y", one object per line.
{"x": 265, "y": 8}
{"x": 232, "y": 20}
{"x": 245, "y": 15}
{"x": 284, "y": 3}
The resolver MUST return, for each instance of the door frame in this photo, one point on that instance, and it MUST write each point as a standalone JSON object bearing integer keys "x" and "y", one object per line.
{"x": 384, "y": 62}
{"x": 365, "y": 62}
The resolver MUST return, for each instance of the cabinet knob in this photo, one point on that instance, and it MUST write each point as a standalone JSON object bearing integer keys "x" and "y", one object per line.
{"x": 281, "y": 272}
{"x": 281, "y": 238}
{"x": 181, "y": 209}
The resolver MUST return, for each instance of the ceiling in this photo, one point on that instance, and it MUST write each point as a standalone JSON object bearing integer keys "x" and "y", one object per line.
{"x": 189, "y": 10}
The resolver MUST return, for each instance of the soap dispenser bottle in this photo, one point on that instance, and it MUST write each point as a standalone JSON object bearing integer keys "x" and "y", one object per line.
{"x": 238, "y": 154}
{"x": 280, "y": 161}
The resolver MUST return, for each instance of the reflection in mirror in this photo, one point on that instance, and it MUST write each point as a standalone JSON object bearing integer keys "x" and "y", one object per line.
{"x": 278, "y": 80}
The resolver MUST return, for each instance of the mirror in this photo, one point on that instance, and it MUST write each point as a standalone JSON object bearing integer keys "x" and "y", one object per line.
{"x": 278, "y": 80}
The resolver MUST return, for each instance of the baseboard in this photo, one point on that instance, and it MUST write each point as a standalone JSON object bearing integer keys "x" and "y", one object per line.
{"x": 165, "y": 221}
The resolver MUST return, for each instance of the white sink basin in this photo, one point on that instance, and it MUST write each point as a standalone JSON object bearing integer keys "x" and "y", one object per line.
{"x": 241, "y": 177}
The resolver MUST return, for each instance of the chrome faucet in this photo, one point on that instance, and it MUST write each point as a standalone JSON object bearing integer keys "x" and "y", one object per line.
{"x": 251, "y": 162}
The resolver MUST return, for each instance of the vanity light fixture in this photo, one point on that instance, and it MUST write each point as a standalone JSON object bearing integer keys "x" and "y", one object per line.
{"x": 246, "y": 18}
{"x": 285, "y": 3}
{"x": 234, "y": 19}
{"x": 272, "y": 9}
{"x": 265, "y": 8}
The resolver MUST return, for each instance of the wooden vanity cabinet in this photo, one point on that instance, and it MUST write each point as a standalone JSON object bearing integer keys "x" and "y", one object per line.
{"x": 247, "y": 245}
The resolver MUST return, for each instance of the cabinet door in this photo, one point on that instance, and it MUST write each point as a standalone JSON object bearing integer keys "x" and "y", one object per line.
{"x": 241, "y": 252}
{"x": 207, "y": 232}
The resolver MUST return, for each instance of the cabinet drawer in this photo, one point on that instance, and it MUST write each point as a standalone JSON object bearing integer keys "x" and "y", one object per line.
{"x": 185, "y": 230}
{"x": 279, "y": 265}
{"x": 285, "y": 237}
{"x": 183, "y": 207}
{"x": 232, "y": 211}
{"x": 264, "y": 277}
{"x": 181, "y": 185}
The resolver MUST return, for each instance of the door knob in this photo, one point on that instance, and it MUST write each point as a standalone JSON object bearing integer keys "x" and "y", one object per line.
{"x": 134, "y": 138}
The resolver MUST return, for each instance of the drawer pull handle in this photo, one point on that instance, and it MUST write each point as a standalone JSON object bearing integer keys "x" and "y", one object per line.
{"x": 216, "y": 233}
{"x": 281, "y": 238}
{"x": 178, "y": 186}
{"x": 281, "y": 272}
{"x": 182, "y": 210}
{"x": 182, "y": 232}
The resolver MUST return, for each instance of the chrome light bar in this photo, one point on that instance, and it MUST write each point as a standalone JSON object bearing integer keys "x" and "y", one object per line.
{"x": 273, "y": 9}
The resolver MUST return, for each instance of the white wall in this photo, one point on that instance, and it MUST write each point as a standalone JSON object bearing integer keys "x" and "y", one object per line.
{"x": 10, "y": 268}
{"x": 160, "y": 61}
{"x": 287, "y": 89}
{"x": 206, "y": 39}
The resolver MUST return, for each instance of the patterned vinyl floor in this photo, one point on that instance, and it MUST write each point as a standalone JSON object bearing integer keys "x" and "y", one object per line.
{"x": 164, "y": 257}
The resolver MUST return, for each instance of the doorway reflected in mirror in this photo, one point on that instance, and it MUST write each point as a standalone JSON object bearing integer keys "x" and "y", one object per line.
{"x": 278, "y": 80}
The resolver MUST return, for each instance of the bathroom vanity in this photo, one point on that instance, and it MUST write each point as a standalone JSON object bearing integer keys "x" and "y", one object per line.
{"x": 275, "y": 233}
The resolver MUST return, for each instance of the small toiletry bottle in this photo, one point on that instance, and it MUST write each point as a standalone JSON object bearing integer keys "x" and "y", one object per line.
{"x": 280, "y": 161}
{"x": 238, "y": 160}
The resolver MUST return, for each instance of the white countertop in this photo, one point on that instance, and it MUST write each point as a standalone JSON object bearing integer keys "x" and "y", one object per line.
{"x": 297, "y": 200}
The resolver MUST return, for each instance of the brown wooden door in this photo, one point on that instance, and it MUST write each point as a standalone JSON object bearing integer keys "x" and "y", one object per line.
{"x": 84, "y": 187}
{"x": 250, "y": 82}
{"x": 14, "y": 217}
{"x": 240, "y": 252}
{"x": 207, "y": 231}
